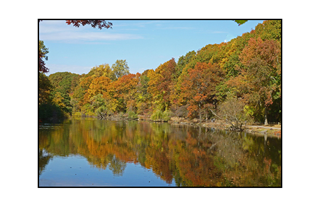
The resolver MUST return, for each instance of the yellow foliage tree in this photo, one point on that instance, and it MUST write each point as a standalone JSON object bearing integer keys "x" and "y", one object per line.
{"x": 103, "y": 70}
{"x": 58, "y": 100}
{"x": 98, "y": 86}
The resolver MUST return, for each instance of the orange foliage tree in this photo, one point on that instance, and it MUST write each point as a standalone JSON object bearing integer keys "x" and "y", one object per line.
{"x": 161, "y": 84}
{"x": 126, "y": 90}
{"x": 199, "y": 86}
{"x": 98, "y": 86}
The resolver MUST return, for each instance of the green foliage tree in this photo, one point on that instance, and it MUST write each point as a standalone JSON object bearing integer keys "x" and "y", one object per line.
{"x": 182, "y": 62}
{"x": 99, "y": 106}
{"x": 119, "y": 69}
{"x": 65, "y": 83}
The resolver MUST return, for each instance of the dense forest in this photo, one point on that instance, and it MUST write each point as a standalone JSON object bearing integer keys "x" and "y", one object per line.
{"x": 242, "y": 75}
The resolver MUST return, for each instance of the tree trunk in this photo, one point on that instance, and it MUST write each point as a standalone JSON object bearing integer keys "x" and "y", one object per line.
{"x": 265, "y": 116}
{"x": 200, "y": 112}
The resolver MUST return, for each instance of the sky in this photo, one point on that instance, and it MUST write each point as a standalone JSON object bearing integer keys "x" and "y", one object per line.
{"x": 144, "y": 44}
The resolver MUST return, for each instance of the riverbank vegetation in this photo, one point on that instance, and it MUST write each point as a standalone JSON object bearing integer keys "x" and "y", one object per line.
{"x": 238, "y": 81}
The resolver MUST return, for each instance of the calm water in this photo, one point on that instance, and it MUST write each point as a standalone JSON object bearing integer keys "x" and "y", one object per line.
{"x": 131, "y": 153}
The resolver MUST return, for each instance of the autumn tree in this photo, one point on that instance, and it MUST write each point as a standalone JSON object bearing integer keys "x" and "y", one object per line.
{"x": 110, "y": 97}
{"x": 65, "y": 83}
{"x": 176, "y": 85}
{"x": 269, "y": 30}
{"x": 126, "y": 91}
{"x": 93, "y": 23}
{"x": 199, "y": 87}
{"x": 161, "y": 84}
{"x": 101, "y": 70}
{"x": 59, "y": 100}
{"x": 98, "y": 86}
{"x": 80, "y": 99}
{"x": 99, "y": 106}
{"x": 80, "y": 95}
{"x": 119, "y": 69}
{"x": 259, "y": 81}
{"x": 182, "y": 62}
{"x": 143, "y": 97}
{"x": 211, "y": 53}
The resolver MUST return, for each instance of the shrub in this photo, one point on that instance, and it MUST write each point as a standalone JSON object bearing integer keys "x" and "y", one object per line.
{"x": 158, "y": 114}
{"x": 234, "y": 112}
{"x": 166, "y": 115}
{"x": 132, "y": 115}
{"x": 77, "y": 114}
{"x": 90, "y": 114}
{"x": 85, "y": 109}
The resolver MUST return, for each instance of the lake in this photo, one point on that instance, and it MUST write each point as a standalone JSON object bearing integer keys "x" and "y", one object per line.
{"x": 103, "y": 153}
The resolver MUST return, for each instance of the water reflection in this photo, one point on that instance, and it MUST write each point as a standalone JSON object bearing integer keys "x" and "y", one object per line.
{"x": 43, "y": 160}
{"x": 186, "y": 156}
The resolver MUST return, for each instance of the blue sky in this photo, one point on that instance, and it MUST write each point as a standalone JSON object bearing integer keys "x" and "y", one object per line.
{"x": 145, "y": 44}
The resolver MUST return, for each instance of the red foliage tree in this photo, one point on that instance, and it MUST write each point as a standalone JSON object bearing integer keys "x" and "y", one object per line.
{"x": 94, "y": 23}
{"x": 259, "y": 81}
{"x": 200, "y": 85}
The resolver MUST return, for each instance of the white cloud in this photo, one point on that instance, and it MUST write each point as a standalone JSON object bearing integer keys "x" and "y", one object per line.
{"x": 60, "y": 31}
{"x": 87, "y": 36}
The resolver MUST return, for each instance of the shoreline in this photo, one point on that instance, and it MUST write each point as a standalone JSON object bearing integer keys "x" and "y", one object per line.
{"x": 270, "y": 130}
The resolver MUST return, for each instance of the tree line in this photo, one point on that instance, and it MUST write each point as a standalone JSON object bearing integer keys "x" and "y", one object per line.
{"x": 241, "y": 77}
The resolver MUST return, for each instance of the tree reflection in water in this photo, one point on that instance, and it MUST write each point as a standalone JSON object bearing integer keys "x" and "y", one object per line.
{"x": 43, "y": 160}
{"x": 189, "y": 155}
